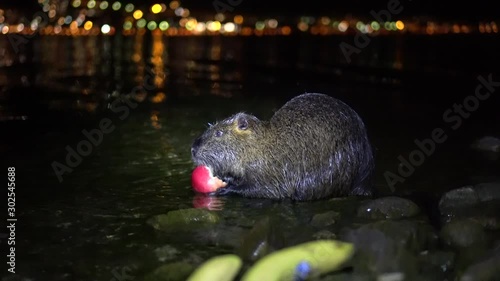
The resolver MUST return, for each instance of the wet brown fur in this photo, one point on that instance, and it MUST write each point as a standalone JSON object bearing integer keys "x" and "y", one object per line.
{"x": 314, "y": 147}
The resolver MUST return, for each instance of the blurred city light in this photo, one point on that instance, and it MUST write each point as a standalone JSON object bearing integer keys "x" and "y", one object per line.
{"x": 220, "y": 17}
{"x": 141, "y": 23}
{"x": 191, "y": 24}
{"x": 238, "y": 19}
{"x": 91, "y": 4}
{"x": 152, "y": 25}
{"x": 229, "y": 27}
{"x": 213, "y": 26}
{"x": 127, "y": 25}
{"x": 5, "y": 29}
{"x": 174, "y": 5}
{"x": 129, "y": 8}
{"x": 260, "y": 25}
{"x": 80, "y": 17}
{"x": 156, "y": 8}
{"x": 163, "y": 25}
{"x": 104, "y": 5}
{"x": 272, "y": 23}
{"x": 116, "y": 6}
{"x": 400, "y": 25}
{"x": 343, "y": 25}
{"x": 105, "y": 29}
{"x": 137, "y": 14}
{"x": 88, "y": 25}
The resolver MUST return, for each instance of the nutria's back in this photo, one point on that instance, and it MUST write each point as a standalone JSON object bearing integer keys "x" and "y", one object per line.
{"x": 313, "y": 147}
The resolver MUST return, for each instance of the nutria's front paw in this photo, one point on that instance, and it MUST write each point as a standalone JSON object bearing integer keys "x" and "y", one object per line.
{"x": 223, "y": 191}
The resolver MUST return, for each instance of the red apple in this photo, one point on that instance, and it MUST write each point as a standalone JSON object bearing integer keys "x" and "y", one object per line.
{"x": 203, "y": 180}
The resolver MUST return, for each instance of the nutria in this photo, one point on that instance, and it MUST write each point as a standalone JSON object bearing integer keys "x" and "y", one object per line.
{"x": 313, "y": 147}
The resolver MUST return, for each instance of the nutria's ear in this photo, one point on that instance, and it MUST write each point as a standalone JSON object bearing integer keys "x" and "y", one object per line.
{"x": 242, "y": 122}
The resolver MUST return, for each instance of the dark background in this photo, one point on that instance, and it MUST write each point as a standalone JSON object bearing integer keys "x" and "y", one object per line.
{"x": 444, "y": 10}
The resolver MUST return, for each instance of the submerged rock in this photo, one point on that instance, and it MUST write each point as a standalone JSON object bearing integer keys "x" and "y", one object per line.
{"x": 487, "y": 221}
{"x": 487, "y": 143}
{"x": 391, "y": 207}
{"x": 177, "y": 271}
{"x": 463, "y": 233}
{"x": 325, "y": 219}
{"x": 324, "y": 234}
{"x": 166, "y": 253}
{"x": 184, "y": 218}
{"x": 343, "y": 276}
{"x": 437, "y": 262}
{"x": 390, "y": 246}
{"x": 391, "y": 276}
{"x": 255, "y": 244}
{"x": 470, "y": 195}
{"x": 458, "y": 198}
{"x": 486, "y": 268}
{"x": 480, "y": 201}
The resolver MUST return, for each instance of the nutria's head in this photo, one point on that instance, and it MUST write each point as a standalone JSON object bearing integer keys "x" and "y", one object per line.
{"x": 226, "y": 146}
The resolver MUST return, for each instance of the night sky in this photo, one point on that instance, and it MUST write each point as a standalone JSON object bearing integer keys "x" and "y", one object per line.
{"x": 479, "y": 10}
{"x": 444, "y": 9}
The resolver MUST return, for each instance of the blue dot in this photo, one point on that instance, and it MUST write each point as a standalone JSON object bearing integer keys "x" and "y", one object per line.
{"x": 302, "y": 270}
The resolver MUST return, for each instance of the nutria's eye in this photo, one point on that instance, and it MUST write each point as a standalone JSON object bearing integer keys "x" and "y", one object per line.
{"x": 218, "y": 133}
{"x": 242, "y": 124}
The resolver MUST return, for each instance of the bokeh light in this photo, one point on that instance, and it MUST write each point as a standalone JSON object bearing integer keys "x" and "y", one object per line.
{"x": 220, "y": 17}
{"x": 88, "y": 25}
{"x": 260, "y": 25}
{"x": 127, "y": 25}
{"x": 156, "y": 8}
{"x": 174, "y": 5}
{"x": 229, "y": 27}
{"x": 5, "y": 29}
{"x": 200, "y": 27}
{"x": 91, "y": 4}
{"x": 105, "y": 29}
{"x": 129, "y": 8}
{"x": 400, "y": 25}
{"x": 303, "y": 26}
{"x": 191, "y": 24}
{"x": 152, "y": 25}
{"x": 116, "y": 6}
{"x": 137, "y": 14}
{"x": 164, "y": 25}
{"x": 343, "y": 26}
{"x": 272, "y": 23}
{"x": 214, "y": 26}
{"x": 141, "y": 23}
{"x": 238, "y": 19}
{"x": 104, "y": 5}
{"x": 375, "y": 25}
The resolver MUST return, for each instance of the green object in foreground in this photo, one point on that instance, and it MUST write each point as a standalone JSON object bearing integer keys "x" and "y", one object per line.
{"x": 321, "y": 256}
{"x": 220, "y": 268}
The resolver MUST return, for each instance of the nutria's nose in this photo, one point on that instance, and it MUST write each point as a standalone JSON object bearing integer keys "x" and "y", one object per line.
{"x": 195, "y": 146}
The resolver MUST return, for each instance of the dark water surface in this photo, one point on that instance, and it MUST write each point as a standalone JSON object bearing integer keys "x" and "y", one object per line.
{"x": 92, "y": 225}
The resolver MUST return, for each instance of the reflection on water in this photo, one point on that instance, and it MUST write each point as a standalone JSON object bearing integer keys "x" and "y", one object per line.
{"x": 94, "y": 221}
{"x": 113, "y": 65}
